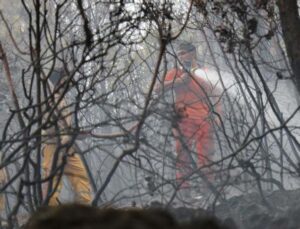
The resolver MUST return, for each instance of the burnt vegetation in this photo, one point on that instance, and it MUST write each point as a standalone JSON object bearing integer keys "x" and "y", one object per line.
{"x": 113, "y": 55}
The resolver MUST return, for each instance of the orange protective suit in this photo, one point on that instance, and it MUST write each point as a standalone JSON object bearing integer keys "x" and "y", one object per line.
{"x": 193, "y": 126}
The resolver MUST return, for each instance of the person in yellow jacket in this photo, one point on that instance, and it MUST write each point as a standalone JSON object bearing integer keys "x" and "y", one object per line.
{"x": 60, "y": 155}
{"x": 3, "y": 179}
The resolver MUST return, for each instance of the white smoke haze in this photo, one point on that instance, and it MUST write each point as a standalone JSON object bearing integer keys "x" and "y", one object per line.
{"x": 115, "y": 54}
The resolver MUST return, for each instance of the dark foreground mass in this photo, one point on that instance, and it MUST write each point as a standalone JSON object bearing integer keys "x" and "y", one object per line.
{"x": 277, "y": 210}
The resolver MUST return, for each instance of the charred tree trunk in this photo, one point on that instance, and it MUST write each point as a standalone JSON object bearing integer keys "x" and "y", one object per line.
{"x": 290, "y": 23}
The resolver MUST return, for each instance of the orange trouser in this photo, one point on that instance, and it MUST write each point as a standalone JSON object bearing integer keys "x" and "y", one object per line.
{"x": 3, "y": 179}
{"x": 74, "y": 170}
{"x": 199, "y": 135}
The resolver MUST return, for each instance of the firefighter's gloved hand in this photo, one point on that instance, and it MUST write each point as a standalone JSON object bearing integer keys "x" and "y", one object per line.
{"x": 158, "y": 87}
{"x": 157, "y": 91}
{"x": 66, "y": 139}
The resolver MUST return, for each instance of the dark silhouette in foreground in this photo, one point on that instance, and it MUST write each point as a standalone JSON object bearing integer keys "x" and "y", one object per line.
{"x": 76, "y": 216}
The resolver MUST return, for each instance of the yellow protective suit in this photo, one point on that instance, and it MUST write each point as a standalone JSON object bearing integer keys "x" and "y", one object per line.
{"x": 73, "y": 169}
{"x": 55, "y": 140}
{"x": 3, "y": 179}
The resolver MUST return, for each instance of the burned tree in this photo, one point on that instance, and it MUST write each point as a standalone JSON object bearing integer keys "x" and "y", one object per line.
{"x": 114, "y": 54}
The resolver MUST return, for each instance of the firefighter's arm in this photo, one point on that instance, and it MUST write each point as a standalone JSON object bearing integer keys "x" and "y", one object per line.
{"x": 66, "y": 119}
{"x": 174, "y": 83}
{"x": 214, "y": 92}
{"x": 65, "y": 112}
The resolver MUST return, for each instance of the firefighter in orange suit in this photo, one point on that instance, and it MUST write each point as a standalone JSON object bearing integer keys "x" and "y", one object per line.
{"x": 194, "y": 105}
{"x": 60, "y": 156}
